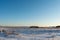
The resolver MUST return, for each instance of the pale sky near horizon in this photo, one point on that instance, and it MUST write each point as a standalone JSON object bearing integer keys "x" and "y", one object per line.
{"x": 29, "y": 12}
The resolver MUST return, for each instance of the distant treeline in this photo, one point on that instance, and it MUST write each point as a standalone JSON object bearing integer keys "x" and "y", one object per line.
{"x": 28, "y": 27}
{"x": 43, "y": 27}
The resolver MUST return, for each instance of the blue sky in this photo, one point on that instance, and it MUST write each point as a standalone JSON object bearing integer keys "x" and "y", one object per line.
{"x": 29, "y": 12}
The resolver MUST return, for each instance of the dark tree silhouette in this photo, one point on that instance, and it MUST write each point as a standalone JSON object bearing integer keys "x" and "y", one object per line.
{"x": 57, "y": 26}
{"x": 34, "y": 27}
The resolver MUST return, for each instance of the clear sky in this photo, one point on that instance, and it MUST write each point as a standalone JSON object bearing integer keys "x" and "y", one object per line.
{"x": 29, "y": 12}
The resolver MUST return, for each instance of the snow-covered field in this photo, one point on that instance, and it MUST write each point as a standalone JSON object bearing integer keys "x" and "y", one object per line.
{"x": 33, "y": 34}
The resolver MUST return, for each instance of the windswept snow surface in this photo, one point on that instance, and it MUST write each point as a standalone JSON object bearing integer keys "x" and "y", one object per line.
{"x": 32, "y": 34}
